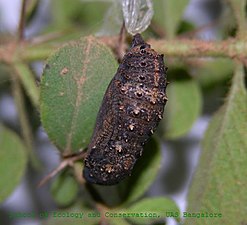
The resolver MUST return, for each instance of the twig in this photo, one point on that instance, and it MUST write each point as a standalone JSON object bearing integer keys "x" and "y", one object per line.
{"x": 102, "y": 209}
{"x": 120, "y": 49}
{"x": 68, "y": 161}
{"x": 22, "y": 21}
{"x": 232, "y": 48}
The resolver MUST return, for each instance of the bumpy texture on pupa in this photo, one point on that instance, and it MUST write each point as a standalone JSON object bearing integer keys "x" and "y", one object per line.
{"x": 131, "y": 109}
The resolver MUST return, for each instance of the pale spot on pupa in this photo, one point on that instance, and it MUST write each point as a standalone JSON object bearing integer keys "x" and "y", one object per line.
{"x": 109, "y": 168}
{"x": 136, "y": 111}
{"x": 119, "y": 148}
{"x": 131, "y": 127}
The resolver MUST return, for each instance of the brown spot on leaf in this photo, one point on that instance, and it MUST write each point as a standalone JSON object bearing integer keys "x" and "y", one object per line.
{"x": 64, "y": 71}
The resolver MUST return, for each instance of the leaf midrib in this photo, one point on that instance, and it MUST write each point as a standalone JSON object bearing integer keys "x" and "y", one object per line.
{"x": 78, "y": 97}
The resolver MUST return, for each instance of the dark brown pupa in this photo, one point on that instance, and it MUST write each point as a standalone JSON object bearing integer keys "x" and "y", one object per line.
{"x": 131, "y": 109}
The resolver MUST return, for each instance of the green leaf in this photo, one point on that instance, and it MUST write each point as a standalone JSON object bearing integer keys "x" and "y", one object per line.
{"x": 220, "y": 182}
{"x": 77, "y": 13}
{"x": 28, "y": 82}
{"x": 123, "y": 216}
{"x": 64, "y": 189}
{"x": 76, "y": 215}
{"x": 5, "y": 72}
{"x": 73, "y": 84}
{"x": 113, "y": 20}
{"x": 143, "y": 174}
{"x": 117, "y": 221}
{"x": 213, "y": 72}
{"x": 154, "y": 209}
{"x": 168, "y": 14}
{"x": 183, "y": 107}
{"x": 13, "y": 162}
{"x": 31, "y": 6}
